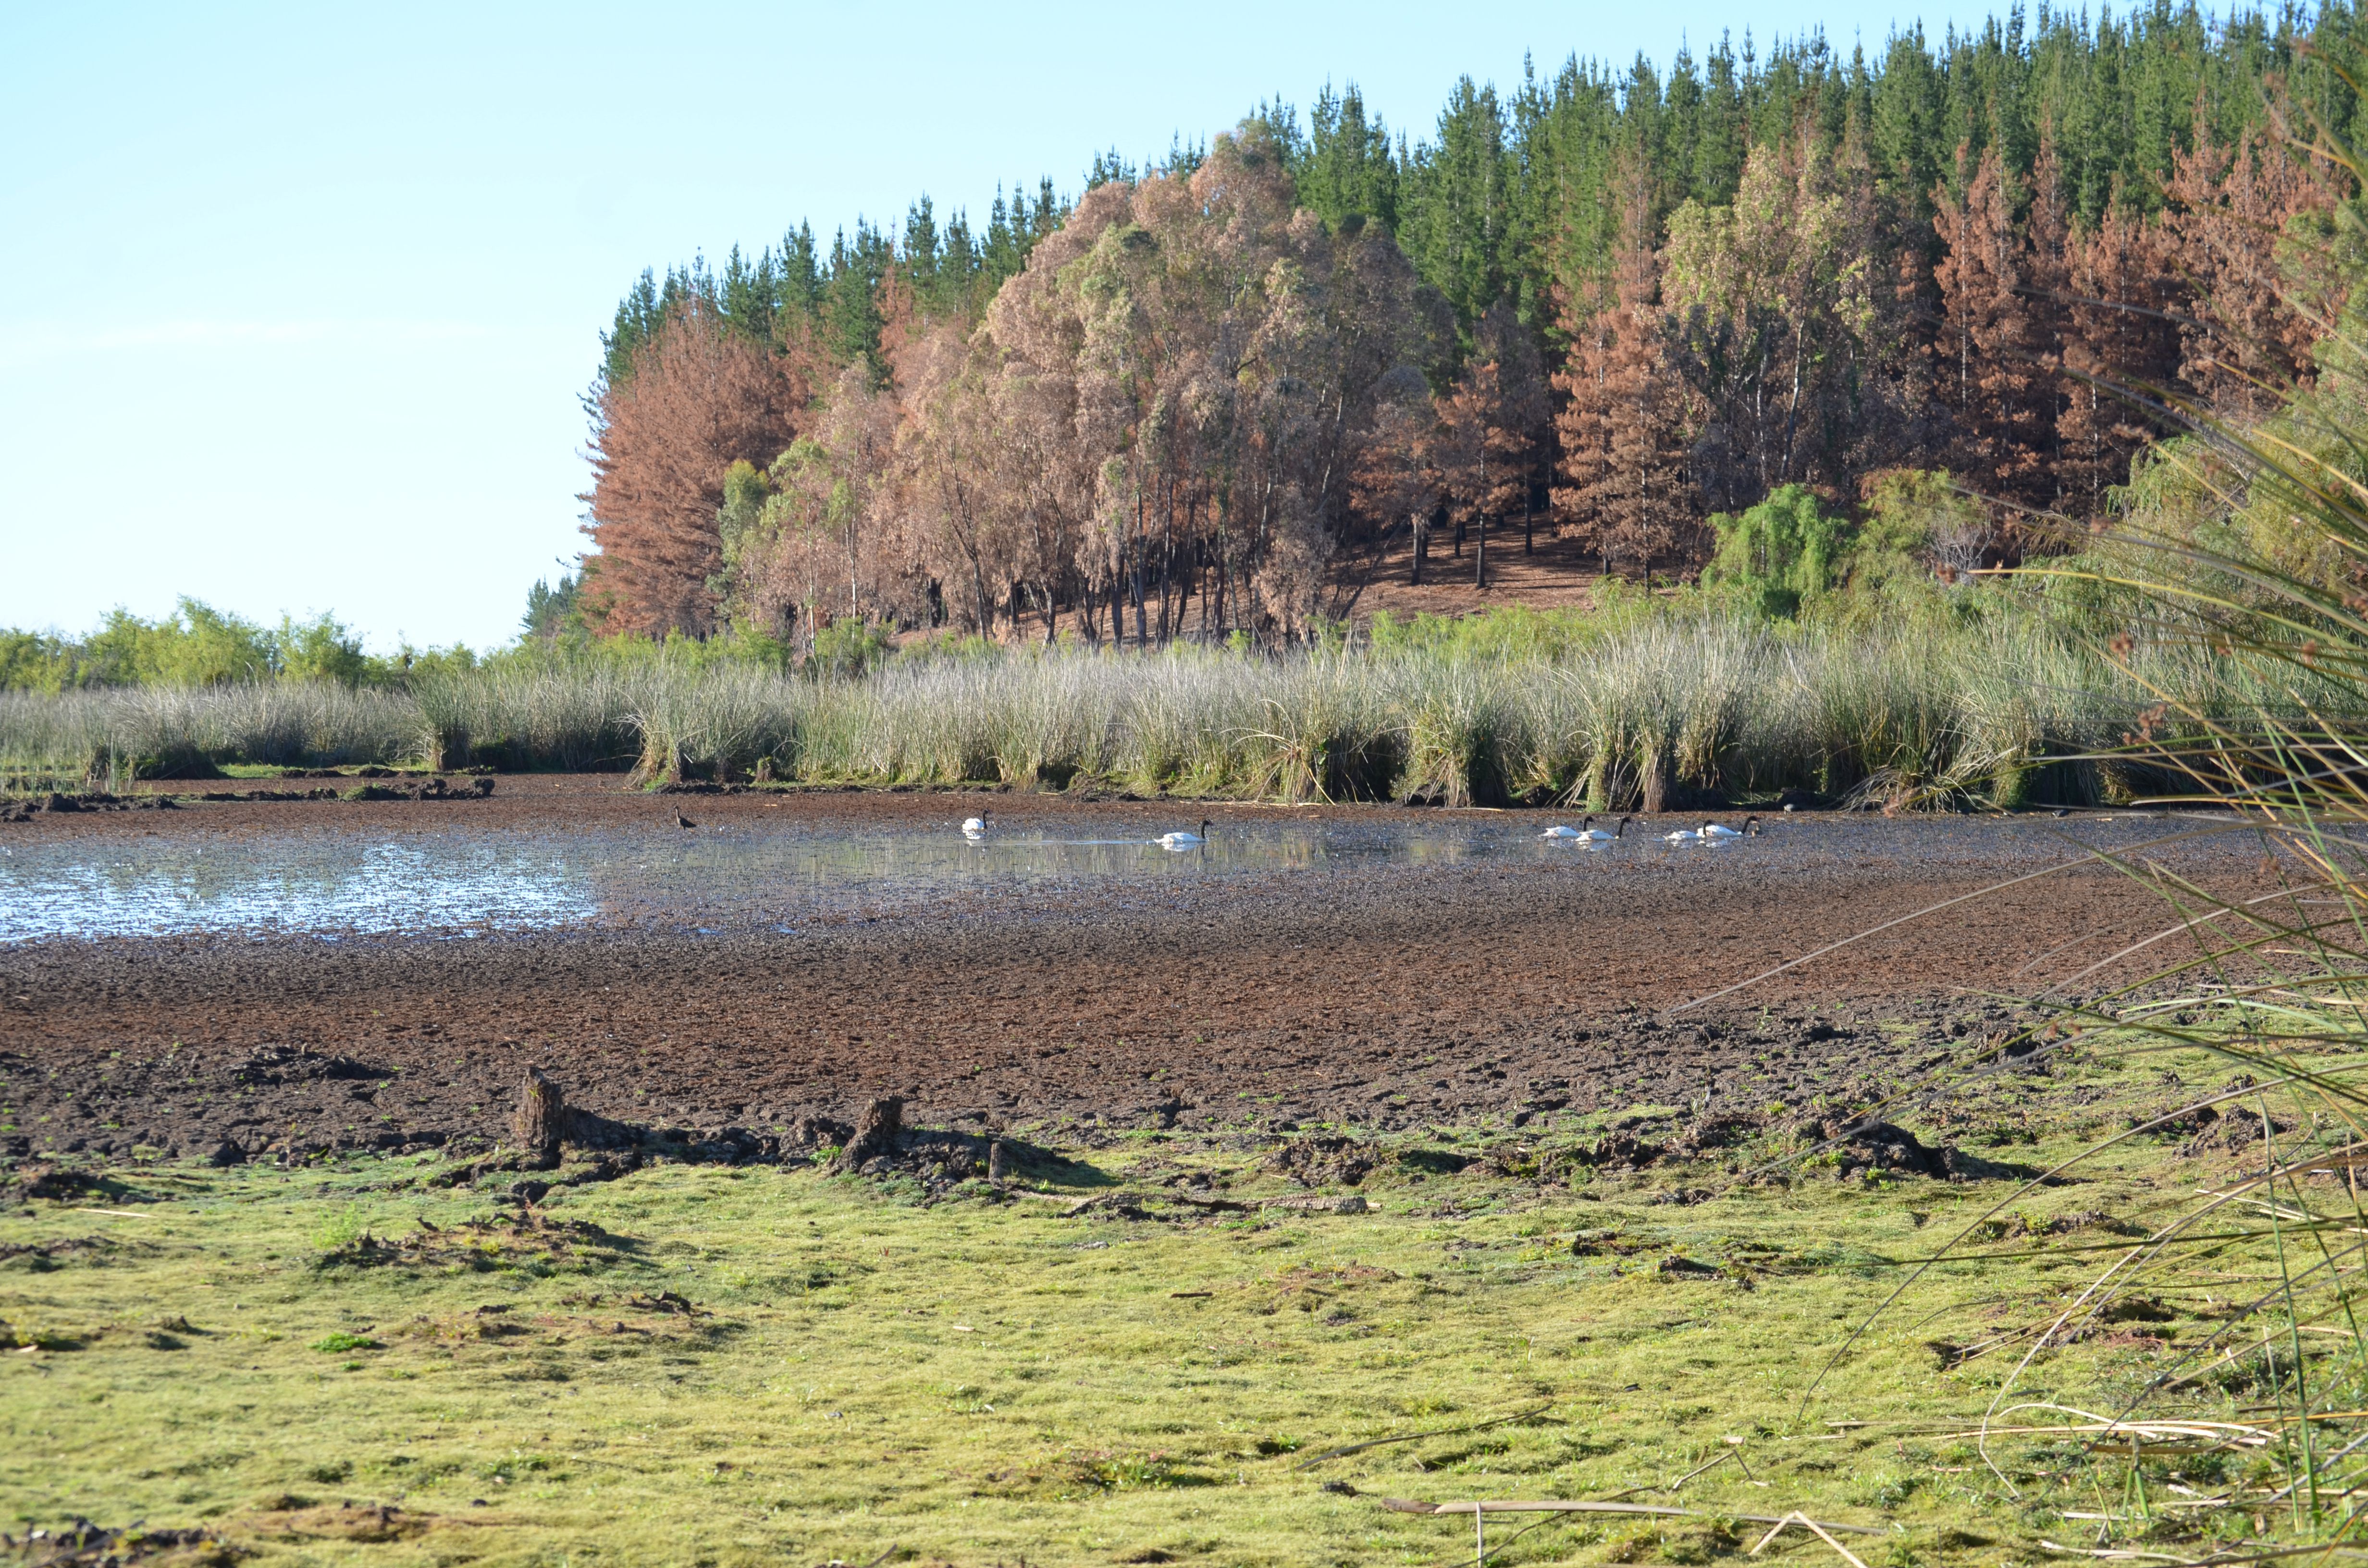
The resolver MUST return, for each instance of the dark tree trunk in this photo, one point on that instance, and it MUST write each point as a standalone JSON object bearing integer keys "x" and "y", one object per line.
{"x": 1657, "y": 784}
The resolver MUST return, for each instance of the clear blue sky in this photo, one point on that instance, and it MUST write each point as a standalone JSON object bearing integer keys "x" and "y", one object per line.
{"x": 296, "y": 302}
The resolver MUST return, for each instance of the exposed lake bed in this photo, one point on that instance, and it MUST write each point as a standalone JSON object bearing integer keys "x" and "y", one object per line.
{"x": 790, "y": 954}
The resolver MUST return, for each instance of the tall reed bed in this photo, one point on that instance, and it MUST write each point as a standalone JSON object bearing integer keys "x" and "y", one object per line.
{"x": 97, "y": 737}
{"x": 1655, "y": 711}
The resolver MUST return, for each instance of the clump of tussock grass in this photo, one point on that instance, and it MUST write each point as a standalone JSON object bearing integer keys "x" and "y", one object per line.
{"x": 718, "y": 723}
{"x": 575, "y": 715}
{"x": 1667, "y": 704}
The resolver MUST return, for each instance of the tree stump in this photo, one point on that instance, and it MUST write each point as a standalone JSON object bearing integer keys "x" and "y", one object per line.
{"x": 540, "y": 1120}
{"x": 998, "y": 1162}
{"x": 1656, "y": 785}
{"x": 875, "y": 1132}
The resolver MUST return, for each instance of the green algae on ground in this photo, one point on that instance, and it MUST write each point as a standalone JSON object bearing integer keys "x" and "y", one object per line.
{"x": 704, "y": 1364}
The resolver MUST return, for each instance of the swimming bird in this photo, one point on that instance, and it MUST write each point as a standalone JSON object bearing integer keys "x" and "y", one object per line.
{"x": 1181, "y": 840}
{"x": 1719, "y": 830}
{"x": 1683, "y": 835}
{"x": 977, "y": 826}
{"x": 1585, "y": 832}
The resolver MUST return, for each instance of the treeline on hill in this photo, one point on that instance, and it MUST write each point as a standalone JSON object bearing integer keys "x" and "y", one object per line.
{"x": 1213, "y": 394}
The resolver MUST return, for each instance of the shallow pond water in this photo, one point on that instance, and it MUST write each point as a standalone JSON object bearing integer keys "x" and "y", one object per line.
{"x": 461, "y": 880}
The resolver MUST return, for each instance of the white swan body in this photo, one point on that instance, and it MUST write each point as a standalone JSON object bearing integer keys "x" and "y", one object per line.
{"x": 1185, "y": 839}
{"x": 974, "y": 828}
{"x": 1585, "y": 832}
{"x": 1721, "y": 833}
{"x": 1714, "y": 830}
{"x": 1683, "y": 835}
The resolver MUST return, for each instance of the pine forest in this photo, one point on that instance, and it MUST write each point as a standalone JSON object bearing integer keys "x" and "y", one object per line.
{"x": 1956, "y": 281}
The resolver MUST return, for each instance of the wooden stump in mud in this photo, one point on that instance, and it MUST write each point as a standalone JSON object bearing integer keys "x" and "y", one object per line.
{"x": 998, "y": 1162}
{"x": 875, "y": 1132}
{"x": 540, "y": 1120}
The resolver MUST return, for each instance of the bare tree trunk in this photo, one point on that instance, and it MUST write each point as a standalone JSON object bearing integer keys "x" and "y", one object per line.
{"x": 1792, "y": 409}
{"x": 1480, "y": 552}
{"x": 1421, "y": 546}
{"x": 1657, "y": 784}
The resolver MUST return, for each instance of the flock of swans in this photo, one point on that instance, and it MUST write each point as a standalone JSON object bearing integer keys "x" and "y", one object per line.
{"x": 1709, "y": 833}
{"x": 1587, "y": 833}
{"x": 975, "y": 828}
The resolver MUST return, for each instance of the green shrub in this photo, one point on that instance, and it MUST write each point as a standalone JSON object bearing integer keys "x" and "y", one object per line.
{"x": 1780, "y": 554}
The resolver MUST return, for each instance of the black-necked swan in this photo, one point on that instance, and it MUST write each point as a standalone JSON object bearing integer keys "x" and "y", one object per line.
{"x": 977, "y": 826}
{"x": 1183, "y": 840}
{"x": 1585, "y": 832}
{"x": 1716, "y": 830}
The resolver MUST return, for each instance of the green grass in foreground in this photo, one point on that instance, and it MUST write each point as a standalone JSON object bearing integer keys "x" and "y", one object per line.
{"x": 979, "y": 1382}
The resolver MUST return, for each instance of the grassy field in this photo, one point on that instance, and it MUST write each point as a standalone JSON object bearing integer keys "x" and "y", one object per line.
{"x": 695, "y": 1364}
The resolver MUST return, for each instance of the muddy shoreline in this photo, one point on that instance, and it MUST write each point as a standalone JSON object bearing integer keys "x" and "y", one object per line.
{"x": 1384, "y": 997}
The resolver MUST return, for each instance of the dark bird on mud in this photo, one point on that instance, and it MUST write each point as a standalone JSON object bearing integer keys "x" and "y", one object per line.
{"x": 682, "y": 820}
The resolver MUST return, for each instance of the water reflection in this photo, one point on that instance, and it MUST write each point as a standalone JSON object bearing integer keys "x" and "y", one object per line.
{"x": 775, "y": 877}
{"x": 163, "y": 887}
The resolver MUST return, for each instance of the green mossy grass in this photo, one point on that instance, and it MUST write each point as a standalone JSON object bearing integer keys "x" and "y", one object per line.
{"x": 976, "y": 1380}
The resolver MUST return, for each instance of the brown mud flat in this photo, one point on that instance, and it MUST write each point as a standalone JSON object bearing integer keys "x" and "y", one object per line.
{"x": 1391, "y": 998}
